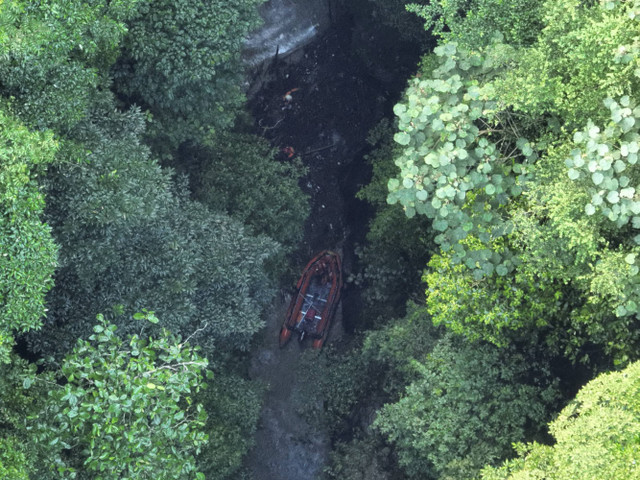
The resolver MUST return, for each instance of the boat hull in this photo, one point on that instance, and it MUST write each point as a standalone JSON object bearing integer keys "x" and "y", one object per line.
{"x": 315, "y": 301}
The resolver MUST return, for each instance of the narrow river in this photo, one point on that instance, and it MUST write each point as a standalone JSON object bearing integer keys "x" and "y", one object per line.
{"x": 320, "y": 103}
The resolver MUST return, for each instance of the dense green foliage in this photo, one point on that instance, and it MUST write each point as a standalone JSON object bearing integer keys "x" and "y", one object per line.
{"x": 610, "y": 157}
{"x": 17, "y": 447}
{"x": 450, "y": 169}
{"x": 464, "y": 405}
{"x": 475, "y": 22}
{"x": 579, "y": 59}
{"x": 484, "y": 310}
{"x": 124, "y": 408}
{"x": 13, "y": 461}
{"x": 509, "y": 184}
{"x": 266, "y": 199}
{"x": 186, "y": 92}
{"x": 27, "y": 251}
{"x": 129, "y": 236}
{"x": 115, "y": 408}
{"x": 521, "y": 148}
{"x": 596, "y": 436}
{"x": 465, "y": 409}
{"x": 56, "y": 53}
{"x": 472, "y": 187}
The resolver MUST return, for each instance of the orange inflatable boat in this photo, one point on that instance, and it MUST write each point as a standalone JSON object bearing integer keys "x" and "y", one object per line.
{"x": 314, "y": 304}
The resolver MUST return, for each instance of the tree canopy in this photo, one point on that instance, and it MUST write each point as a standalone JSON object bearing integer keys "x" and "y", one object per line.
{"x": 507, "y": 180}
{"x": 28, "y": 254}
{"x": 92, "y": 224}
{"x": 130, "y": 238}
{"x": 125, "y": 408}
{"x": 500, "y": 274}
{"x": 181, "y": 61}
{"x": 596, "y": 435}
{"x": 515, "y": 150}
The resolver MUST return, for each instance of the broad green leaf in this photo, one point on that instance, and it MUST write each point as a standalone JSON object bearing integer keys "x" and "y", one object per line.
{"x": 402, "y": 138}
{"x": 597, "y": 178}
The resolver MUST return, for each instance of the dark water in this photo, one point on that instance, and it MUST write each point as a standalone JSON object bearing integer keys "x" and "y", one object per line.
{"x": 321, "y": 103}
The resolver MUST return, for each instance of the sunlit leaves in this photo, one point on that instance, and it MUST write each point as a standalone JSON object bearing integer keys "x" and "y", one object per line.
{"x": 475, "y": 23}
{"x": 27, "y": 251}
{"x": 126, "y": 408}
{"x": 609, "y": 158}
{"x": 451, "y": 170}
{"x": 569, "y": 249}
{"x": 469, "y": 300}
{"x": 596, "y": 435}
{"x": 402, "y": 138}
{"x": 13, "y": 460}
{"x": 578, "y": 60}
{"x": 55, "y": 54}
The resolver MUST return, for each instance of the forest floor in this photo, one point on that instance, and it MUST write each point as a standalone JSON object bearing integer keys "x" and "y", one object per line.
{"x": 320, "y": 104}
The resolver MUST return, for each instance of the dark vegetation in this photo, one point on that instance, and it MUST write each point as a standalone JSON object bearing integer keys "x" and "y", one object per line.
{"x": 145, "y": 228}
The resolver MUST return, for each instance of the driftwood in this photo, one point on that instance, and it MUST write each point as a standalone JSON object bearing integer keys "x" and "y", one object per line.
{"x": 309, "y": 152}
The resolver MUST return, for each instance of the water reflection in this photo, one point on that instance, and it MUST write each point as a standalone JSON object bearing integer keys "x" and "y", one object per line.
{"x": 288, "y": 25}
